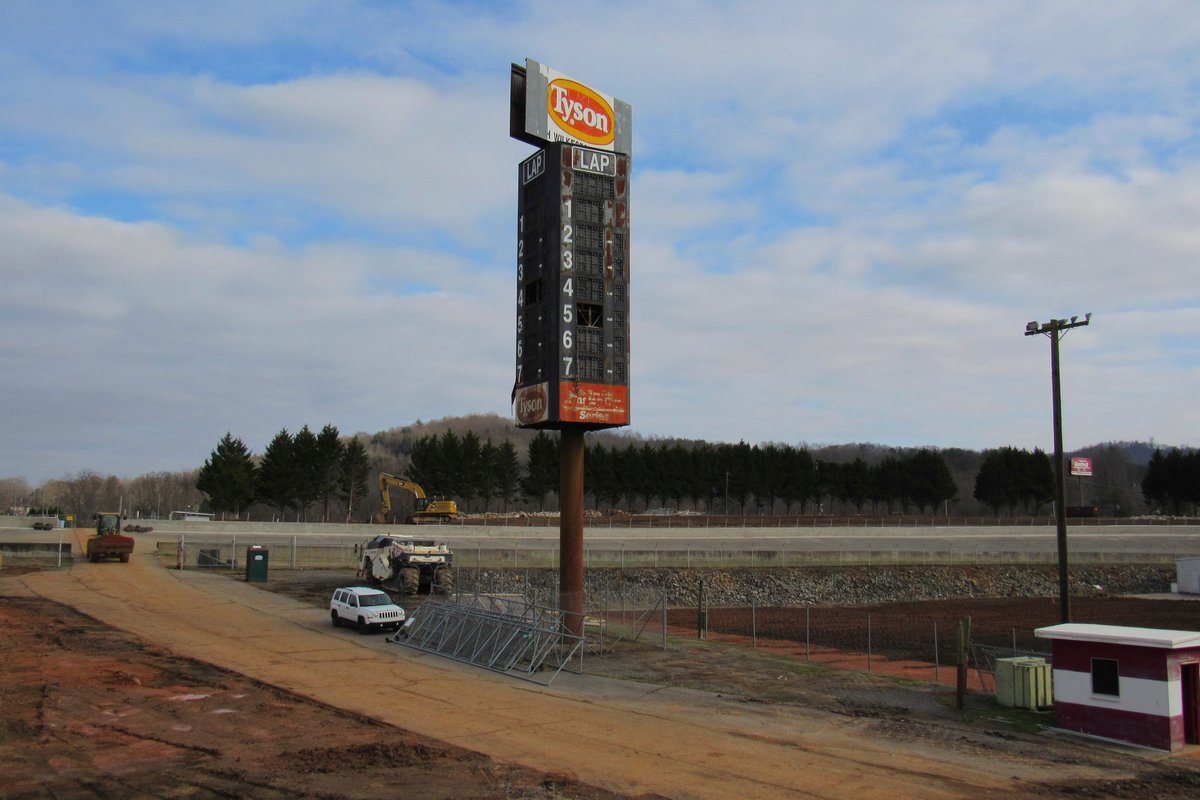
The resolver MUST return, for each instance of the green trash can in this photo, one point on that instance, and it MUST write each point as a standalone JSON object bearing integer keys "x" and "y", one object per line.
{"x": 256, "y": 563}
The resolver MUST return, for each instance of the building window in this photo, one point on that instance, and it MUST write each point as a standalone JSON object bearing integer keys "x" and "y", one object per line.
{"x": 1106, "y": 679}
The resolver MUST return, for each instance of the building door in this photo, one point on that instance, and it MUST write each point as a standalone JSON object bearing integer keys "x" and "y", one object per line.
{"x": 1190, "y": 675}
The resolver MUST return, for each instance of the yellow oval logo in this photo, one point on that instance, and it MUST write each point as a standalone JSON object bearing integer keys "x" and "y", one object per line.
{"x": 580, "y": 112}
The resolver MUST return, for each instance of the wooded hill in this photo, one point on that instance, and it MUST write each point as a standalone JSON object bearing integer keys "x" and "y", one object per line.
{"x": 1115, "y": 487}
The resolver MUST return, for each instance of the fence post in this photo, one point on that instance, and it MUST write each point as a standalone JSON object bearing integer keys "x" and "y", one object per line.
{"x": 664, "y": 618}
{"x": 937, "y": 664}
{"x": 753, "y": 626}
{"x": 807, "y": 633}
{"x": 964, "y": 643}
{"x": 868, "y": 641}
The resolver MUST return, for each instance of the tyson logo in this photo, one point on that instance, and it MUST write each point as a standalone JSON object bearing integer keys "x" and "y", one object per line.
{"x": 580, "y": 112}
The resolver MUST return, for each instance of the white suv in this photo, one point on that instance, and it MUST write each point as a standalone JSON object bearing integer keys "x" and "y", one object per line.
{"x": 367, "y": 609}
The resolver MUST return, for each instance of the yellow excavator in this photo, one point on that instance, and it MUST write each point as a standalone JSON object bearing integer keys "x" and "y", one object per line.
{"x": 424, "y": 511}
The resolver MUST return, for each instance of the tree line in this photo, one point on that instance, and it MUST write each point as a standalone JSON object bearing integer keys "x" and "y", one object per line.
{"x": 79, "y": 496}
{"x": 301, "y": 472}
{"x": 295, "y": 473}
{"x": 1172, "y": 481}
{"x": 486, "y": 464}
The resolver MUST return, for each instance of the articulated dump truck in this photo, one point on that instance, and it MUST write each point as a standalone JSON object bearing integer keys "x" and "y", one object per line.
{"x": 411, "y": 565}
{"x": 109, "y": 542}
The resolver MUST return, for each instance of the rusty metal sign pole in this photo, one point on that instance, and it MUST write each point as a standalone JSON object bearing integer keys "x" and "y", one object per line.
{"x": 570, "y": 530}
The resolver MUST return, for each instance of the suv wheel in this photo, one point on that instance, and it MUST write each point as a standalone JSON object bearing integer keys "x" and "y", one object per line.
{"x": 337, "y": 621}
{"x": 362, "y": 625}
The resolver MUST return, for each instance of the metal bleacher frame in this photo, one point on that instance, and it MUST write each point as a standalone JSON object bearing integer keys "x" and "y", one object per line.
{"x": 505, "y": 634}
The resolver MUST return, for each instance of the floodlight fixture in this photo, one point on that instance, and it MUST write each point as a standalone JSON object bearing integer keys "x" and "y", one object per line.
{"x": 1057, "y": 326}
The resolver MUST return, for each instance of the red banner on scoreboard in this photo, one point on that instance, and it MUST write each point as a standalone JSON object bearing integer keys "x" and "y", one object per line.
{"x": 593, "y": 403}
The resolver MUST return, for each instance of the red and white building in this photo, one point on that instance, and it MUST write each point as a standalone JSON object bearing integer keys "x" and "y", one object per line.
{"x": 1138, "y": 685}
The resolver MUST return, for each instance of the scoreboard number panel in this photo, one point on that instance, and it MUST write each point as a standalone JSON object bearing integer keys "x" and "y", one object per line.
{"x": 572, "y": 344}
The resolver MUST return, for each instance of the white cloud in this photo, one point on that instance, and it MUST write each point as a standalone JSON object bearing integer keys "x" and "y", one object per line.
{"x": 843, "y": 215}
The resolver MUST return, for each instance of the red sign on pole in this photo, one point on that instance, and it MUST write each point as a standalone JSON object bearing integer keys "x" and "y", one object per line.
{"x": 1081, "y": 466}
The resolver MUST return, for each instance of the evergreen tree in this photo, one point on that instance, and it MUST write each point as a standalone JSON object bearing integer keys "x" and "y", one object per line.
{"x": 276, "y": 484}
{"x": 1009, "y": 477}
{"x": 698, "y": 480}
{"x": 831, "y": 479}
{"x": 423, "y": 465}
{"x": 1172, "y": 480}
{"x": 673, "y": 468}
{"x": 354, "y": 474}
{"x": 227, "y": 477}
{"x": 450, "y": 479}
{"x": 887, "y": 483}
{"x": 306, "y": 470}
{"x": 329, "y": 454}
{"x": 541, "y": 472}
{"x": 436, "y": 465}
{"x": 799, "y": 474}
{"x": 1037, "y": 484}
{"x": 628, "y": 473}
{"x": 596, "y": 472}
{"x": 996, "y": 483}
{"x": 930, "y": 483}
{"x": 856, "y": 483}
{"x": 1154, "y": 484}
{"x": 487, "y": 481}
{"x": 471, "y": 482}
{"x": 507, "y": 473}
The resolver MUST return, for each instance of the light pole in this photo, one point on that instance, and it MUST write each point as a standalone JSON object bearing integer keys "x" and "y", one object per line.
{"x": 1055, "y": 329}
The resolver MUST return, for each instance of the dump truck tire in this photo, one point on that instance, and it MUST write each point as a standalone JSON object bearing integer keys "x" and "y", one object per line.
{"x": 409, "y": 579}
{"x": 443, "y": 579}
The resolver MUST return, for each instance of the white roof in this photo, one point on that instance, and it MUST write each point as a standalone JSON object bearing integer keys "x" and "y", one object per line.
{"x": 1120, "y": 634}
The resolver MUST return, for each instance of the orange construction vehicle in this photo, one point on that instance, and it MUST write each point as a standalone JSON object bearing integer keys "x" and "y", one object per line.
{"x": 109, "y": 542}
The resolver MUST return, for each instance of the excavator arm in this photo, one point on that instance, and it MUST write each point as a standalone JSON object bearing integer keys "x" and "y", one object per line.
{"x": 387, "y": 481}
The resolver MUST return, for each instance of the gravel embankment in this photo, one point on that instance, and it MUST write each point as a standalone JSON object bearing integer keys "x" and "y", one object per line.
{"x": 833, "y": 585}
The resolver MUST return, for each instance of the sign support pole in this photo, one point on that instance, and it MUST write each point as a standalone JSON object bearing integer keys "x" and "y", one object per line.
{"x": 570, "y": 531}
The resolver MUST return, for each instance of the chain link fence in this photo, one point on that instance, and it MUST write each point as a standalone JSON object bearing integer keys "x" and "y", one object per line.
{"x": 298, "y": 552}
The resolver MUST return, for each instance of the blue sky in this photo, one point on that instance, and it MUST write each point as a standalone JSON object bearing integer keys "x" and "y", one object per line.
{"x": 246, "y": 216}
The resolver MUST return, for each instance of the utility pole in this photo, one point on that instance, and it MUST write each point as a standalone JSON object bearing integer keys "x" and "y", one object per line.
{"x": 1055, "y": 329}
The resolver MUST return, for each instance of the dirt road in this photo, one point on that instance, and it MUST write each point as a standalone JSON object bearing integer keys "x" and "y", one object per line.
{"x": 629, "y": 738}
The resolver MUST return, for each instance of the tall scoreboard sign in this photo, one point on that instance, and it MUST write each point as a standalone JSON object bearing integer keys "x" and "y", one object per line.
{"x": 572, "y": 348}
